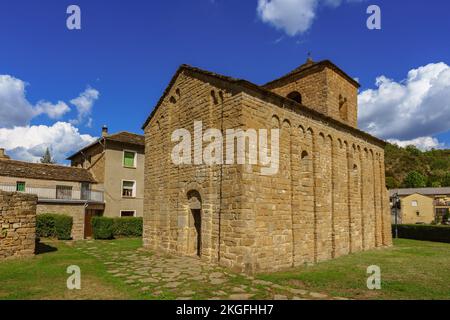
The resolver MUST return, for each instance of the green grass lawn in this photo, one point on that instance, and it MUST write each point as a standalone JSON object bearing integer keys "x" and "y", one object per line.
{"x": 44, "y": 276}
{"x": 410, "y": 270}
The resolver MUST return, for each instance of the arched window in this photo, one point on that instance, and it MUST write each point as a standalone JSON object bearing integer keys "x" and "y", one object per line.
{"x": 296, "y": 96}
{"x": 343, "y": 110}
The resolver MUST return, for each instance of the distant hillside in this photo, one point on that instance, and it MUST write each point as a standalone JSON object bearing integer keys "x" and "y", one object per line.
{"x": 409, "y": 167}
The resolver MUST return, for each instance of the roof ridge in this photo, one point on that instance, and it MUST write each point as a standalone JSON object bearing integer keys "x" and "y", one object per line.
{"x": 310, "y": 65}
{"x": 250, "y": 85}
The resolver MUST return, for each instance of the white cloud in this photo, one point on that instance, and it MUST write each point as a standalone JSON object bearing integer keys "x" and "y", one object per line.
{"x": 84, "y": 103}
{"x": 53, "y": 111}
{"x": 423, "y": 143}
{"x": 29, "y": 142}
{"x": 293, "y": 16}
{"x": 410, "y": 111}
{"x": 16, "y": 110}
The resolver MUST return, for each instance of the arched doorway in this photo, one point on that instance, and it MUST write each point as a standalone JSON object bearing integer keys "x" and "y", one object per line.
{"x": 195, "y": 224}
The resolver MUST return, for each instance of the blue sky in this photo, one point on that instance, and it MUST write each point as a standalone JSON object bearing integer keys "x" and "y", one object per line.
{"x": 113, "y": 71}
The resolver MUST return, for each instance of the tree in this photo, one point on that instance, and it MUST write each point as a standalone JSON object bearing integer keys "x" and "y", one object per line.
{"x": 47, "y": 157}
{"x": 446, "y": 180}
{"x": 414, "y": 179}
{"x": 391, "y": 183}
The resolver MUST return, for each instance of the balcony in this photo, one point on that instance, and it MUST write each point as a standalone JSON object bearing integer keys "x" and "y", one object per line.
{"x": 58, "y": 193}
{"x": 441, "y": 203}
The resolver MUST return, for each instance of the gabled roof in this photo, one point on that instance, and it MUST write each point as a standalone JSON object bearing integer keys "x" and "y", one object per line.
{"x": 21, "y": 169}
{"x": 422, "y": 191}
{"x": 121, "y": 137}
{"x": 311, "y": 67}
{"x": 127, "y": 137}
{"x": 253, "y": 89}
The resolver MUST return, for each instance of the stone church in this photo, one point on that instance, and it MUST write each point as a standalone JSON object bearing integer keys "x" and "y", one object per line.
{"x": 327, "y": 199}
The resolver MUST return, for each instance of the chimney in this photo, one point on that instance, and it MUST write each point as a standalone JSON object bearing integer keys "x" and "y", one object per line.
{"x": 3, "y": 156}
{"x": 104, "y": 131}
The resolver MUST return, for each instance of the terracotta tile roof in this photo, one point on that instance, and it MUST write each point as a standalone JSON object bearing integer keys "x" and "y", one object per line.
{"x": 252, "y": 89}
{"x": 121, "y": 137}
{"x": 20, "y": 169}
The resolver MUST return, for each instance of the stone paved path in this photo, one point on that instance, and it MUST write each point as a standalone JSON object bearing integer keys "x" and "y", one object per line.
{"x": 185, "y": 278}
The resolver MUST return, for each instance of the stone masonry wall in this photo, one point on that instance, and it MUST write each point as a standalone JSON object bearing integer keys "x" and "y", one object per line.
{"x": 168, "y": 220}
{"x": 323, "y": 91}
{"x": 17, "y": 224}
{"x": 328, "y": 198}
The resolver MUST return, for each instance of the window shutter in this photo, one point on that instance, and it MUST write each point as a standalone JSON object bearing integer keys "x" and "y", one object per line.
{"x": 128, "y": 160}
{"x": 20, "y": 186}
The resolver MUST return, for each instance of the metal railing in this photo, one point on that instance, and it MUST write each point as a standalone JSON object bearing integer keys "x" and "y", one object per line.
{"x": 442, "y": 203}
{"x": 54, "y": 193}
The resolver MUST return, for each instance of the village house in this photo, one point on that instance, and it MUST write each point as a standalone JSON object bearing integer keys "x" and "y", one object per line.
{"x": 422, "y": 205}
{"x": 116, "y": 161}
{"x": 327, "y": 199}
{"x": 60, "y": 190}
{"x": 106, "y": 178}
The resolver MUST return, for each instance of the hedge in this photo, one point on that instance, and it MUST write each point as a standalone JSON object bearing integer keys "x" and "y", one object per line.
{"x": 102, "y": 228}
{"x": 105, "y": 228}
{"x": 54, "y": 226}
{"x": 127, "y": 227}
{"x": 423, "y": 232}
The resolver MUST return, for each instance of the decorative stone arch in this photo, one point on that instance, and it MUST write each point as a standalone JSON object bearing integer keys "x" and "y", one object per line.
{"x": 345, "y": 143}
{"x": 275, "y": 122}
{"x": 286, "y": 123}
{"x": 322, "y": 138}
{"x": 301, "y": 129}
{"x": 295, "y": 96}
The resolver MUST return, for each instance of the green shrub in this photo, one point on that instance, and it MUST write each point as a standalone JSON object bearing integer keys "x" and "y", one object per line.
{"x": 424, "y": 232}
{"x": 127, "y": 227}
{"x": 54, "y": 226}
{"x": 105, "y": 228}
{"x": 63, "y": 226}
{"x": 102, "y": 228}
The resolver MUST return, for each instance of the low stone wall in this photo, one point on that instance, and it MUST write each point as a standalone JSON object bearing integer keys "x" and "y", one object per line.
{"x": 17, "y": 224}
{"x": 76, "y": 211}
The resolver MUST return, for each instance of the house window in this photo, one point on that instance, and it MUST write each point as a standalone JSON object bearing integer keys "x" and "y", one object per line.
{"x": 128, "y": 213}
{"x": 129, "y": 189}
{"x": 64, "y": 192}
{"x": 129, "y": 159}
{"x": 20, "y": 186}
{"x": 414, "y": 203}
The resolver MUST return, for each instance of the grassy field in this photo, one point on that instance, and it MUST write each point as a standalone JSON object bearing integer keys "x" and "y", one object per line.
{"x": 44, "y": 276}
{"x": 409, "y": 270}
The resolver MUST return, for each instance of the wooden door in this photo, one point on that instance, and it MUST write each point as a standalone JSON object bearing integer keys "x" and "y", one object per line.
{"x": 88, "y": 222}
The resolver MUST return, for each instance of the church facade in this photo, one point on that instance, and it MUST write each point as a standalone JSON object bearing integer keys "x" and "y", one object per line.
{"x": 327, "y": 198}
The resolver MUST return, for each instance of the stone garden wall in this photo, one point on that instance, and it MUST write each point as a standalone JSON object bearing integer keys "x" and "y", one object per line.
{"x": 17, "y": 224}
